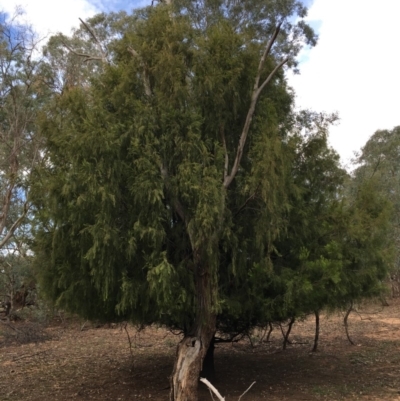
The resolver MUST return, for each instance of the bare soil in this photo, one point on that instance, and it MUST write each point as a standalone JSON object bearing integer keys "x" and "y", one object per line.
{"x": 66, "y": 363}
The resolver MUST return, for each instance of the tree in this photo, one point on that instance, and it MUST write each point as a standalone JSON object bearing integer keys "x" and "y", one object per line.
{"x": 308, "y": 263}
{"x": 164, "y": 175}
{"x": 378, "y": 162}
{"x": 336, "y": 249}
{"x": 22, "y": 94}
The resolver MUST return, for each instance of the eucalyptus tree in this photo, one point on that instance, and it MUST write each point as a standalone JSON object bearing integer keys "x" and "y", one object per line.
{"x": 22, "y": 94}
{"x": 379, "y": 161}
{"x": 74, "y": 60}
{"x": 162, "y": 186}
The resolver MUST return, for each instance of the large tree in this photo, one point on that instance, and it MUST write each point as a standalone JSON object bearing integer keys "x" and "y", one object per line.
{"x": 163, "y": 177}
{"x": 23, "y": 93}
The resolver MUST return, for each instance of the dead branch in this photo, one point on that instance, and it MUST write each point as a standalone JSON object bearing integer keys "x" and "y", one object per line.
{"x": 212, "y": 388}
{"x": 146, "y": 79}
{"x": 251, "y": 385}
{"x": 217, "y": 393}
{"x": 87, "y": 57}
{"x": 93, "y": 35}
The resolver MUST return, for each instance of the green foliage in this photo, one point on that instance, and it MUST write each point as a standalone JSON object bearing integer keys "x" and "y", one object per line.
{"x": 131, "y": 200}
{"x": 132, "y": 208}
{"x": 378, "y": 165}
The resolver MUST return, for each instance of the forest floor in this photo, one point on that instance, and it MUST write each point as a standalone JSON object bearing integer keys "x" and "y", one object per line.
{"x": 70, "y": 363}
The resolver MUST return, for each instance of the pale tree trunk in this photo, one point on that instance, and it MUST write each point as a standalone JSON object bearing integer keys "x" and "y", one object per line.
{"x": 192, "y": 350}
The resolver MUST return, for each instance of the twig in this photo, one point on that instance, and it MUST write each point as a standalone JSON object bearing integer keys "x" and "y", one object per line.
{"x": 29, "y": 355}
{"x": 251, "y": 385}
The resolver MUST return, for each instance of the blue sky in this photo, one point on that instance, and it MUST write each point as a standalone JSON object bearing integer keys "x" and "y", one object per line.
{"x": 353, "y": 70}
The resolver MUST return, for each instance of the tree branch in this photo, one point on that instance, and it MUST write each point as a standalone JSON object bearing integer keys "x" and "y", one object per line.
{"x": 270, "y": 76}
{"x": 254, "y": 98}
{"x": 212, "y": 388}
{"x": 251, "y": 385}
{"x": 93, "y": 35}
{"x": 86, "y": 56}
{"x": 16, "y": 224}
{"x": 265, "y": 54}
{"x": 146, "y": 79}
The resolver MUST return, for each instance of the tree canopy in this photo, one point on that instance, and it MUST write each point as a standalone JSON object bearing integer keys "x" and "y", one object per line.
{"x": 176, "y": 187}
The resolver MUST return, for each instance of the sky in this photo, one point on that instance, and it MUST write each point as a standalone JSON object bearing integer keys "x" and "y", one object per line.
{"x": 353, "y": 70}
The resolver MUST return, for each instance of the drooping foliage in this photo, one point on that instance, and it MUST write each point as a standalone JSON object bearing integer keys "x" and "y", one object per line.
{"x": 176, "y": 187}
{"x": 136, "y": 159}
{"x": 123, "y": 167}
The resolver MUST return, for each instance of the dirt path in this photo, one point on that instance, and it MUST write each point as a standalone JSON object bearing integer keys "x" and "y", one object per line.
{"x": 96, "y": 364}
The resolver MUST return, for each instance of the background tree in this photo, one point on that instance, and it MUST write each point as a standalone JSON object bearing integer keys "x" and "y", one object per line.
{"x": 22, "y": 95}
{"x": 75, "y": 60}
{"x": 378, "y": 162}
{"x": 336, "y": 249}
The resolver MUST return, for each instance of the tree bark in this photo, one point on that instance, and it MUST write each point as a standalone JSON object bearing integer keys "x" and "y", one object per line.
{"x": 192, "y": 350}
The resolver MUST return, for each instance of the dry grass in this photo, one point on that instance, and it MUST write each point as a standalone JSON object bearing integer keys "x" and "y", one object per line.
{"x": 97, "y": 364}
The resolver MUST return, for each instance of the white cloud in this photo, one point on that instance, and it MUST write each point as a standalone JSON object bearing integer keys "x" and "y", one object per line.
{"x": 50, "y": 16}
{"x": 353, "y": 69}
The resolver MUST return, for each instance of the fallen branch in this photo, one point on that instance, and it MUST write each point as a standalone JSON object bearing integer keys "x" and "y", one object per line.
{"x": 217, "y": 393}
{"x": 212, "y": 388}
{"x": 251, "y": 385}
{"x": 28, "y": 355}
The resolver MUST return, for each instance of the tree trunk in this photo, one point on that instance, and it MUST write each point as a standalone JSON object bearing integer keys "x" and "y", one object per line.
{"x": 192, "y": 350}
{"x": 316, "y": 338}
{"x": 286, "y": 336}
{"x": 271, "y": 328}
{"x": 208, "y": 371}
{"x": 346, "y": 327}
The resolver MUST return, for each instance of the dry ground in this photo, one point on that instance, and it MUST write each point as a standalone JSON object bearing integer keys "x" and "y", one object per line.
{"x": 96, "y": 363}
